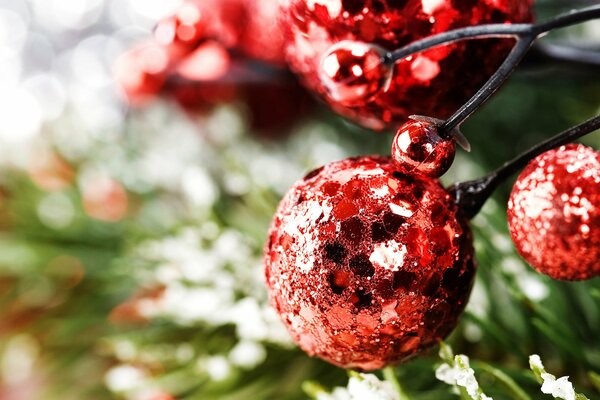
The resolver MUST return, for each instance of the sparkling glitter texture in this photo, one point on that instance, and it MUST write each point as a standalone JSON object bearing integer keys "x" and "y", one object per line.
{"x": 418, "y": 147}
{"x": 554, "y": 213}
{"x": 353, "y": 72}
{"x": 368, "y": 266}
{"x": 434, "y": 83}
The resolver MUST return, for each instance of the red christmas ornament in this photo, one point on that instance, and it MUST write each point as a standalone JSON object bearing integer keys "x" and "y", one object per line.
{"x": 353, "y": 71}
{"x": 554, "y": 213}
{"x": 368, "y": 266}
{"x": 142, "y": 72}
{"x": 435, "y": 82}
{"x": 248, "y": 26}
{"x": 418, "y": 147}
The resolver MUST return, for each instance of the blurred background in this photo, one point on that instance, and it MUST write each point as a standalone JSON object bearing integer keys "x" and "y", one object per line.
{"x": 131, "y": 237}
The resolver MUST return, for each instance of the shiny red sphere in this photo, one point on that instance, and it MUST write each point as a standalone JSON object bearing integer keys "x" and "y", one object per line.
{"x": 354, "y": 72}
{"x": 368, "y": 266}
{"x": 418, "y": 148}
{"x": 435, "y": 82}
{"x": 554, "y": 213}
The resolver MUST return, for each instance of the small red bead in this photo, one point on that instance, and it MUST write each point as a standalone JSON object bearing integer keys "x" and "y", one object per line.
{"x": 368, "y": 266}
{"x": 418, "y": 147}
{"x": 354, "y": 72}
{"x": 554, "y": 213}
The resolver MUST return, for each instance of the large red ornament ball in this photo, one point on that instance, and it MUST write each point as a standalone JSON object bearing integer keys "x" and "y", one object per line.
{"x": 435, "y": 82}
{"x": 554, "y": 213}
{"x": 368, "y": 266}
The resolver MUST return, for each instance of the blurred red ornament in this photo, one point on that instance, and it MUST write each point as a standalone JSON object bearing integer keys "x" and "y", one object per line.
{"x": 247, "y": 26}
{"x": 215, "y": 52}
{"x": 354, "y": 72}
{"x": 368, "y": 266}
{"x": 418, "y": 148}
{"x": 554, "y": 213}
{"x": 142, "y": 72}
{"x": 435, "y": 82}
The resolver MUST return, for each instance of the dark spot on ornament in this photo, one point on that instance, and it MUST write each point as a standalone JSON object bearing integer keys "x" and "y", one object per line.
{"x": 451, "y": 279}
{"x": 392, "y": 222}
{"x": 412, "y": 334}
{"x": 335, "y": 252}
{"x": 399, "y": 175}
{"x": 386, "y": 288}
{"x": 352, "y": 229}
{"x": 439, "y": 214}
{"x": 361, "y": 265}
{"x": 435, "y": 315}
{"x": 403, "y": 279}
{"x": 353, "y": 6}
{"x": 377, "y": 6}
{"x": 440, "y": 240}
{"x": 300, "y": 199}
{"x": 313, "y": 173}
{"x": 432, "y": 286}
{"x": 379, "y": 233}
{"x": 363, "y": 299}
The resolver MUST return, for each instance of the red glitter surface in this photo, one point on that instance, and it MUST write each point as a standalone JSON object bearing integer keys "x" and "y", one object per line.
{"x": 433, "y": 83}
{"x": 554, "y": 213}
{"x": 368, "y": 266}
{"x": 418, "y": 147}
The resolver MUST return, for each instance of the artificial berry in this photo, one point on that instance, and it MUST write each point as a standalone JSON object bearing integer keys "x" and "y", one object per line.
{"x": 418, "y": 147}
{"x": 554, "y": 213}
{"x": 434, "y": 82}
{"x": 368, "y": 266}
{"x": 353, "y": 72}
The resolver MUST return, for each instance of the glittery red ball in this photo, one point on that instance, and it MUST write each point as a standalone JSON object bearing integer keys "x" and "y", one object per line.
{"x": 353, "y": 72}
{"x": 418, "y": 147}
{"x": 435, "y": 82}
{"x": 368, "y": 266}
{"x": 554, "y": 213}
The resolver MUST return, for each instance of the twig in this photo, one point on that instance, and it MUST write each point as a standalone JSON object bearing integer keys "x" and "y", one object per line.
{"x": 525, "y": 35}
{"x": 472, "y": 195}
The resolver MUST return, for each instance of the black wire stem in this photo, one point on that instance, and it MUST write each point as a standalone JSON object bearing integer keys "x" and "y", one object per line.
{"x": 524, "y": 34}
{"x": 472, "y": 195}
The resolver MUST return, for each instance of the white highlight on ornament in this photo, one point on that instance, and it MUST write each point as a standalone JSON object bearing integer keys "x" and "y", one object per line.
{"x": 400, "y": 210}
{"x": 431, "y": 6}
{"x": 388, "y": 255}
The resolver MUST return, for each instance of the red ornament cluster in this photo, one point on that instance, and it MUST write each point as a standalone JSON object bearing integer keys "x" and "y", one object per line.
{"x": 366, "y": 265}
{"x": 214, "y": 52}
{"x": 435, "y": 82}
{"x": 554, "y": 213}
